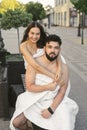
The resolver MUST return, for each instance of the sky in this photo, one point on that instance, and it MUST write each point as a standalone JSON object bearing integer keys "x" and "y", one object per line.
{"x": 44, "y": 2}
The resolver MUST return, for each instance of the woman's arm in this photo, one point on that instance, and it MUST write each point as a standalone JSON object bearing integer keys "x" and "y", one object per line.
{"x": 59, "y": 69}
{"x": 31, "y": 86}
{"x": 32, "y": 61}
{"x": 58, "y": 76}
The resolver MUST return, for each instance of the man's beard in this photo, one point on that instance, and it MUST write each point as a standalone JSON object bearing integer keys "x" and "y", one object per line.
{"x": 51, "y": 58}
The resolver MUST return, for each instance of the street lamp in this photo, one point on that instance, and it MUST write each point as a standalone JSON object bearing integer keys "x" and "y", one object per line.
{"x": 79, "y": 32}
{"x": 75, "y": 2}
{"x": 48, "y": 13}
{"x": 2, "y": 50}
{"x": 82, "y": 38}
{"x": 1, "y": 39}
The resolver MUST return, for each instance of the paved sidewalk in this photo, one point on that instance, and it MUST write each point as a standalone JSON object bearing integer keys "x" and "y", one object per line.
{"x": 76, "y": 56}
{"x": 4, "y": 125}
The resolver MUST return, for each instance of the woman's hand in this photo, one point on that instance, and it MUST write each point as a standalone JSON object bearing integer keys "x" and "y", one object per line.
{"x": 60, "y": 81}
{"x": 52, "y": 86}
{"x": 59, "y": 69}
{"x": 45, "y": 113}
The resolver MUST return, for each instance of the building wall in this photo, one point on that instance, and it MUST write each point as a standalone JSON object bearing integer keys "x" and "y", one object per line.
{"x": 62, "y": 13}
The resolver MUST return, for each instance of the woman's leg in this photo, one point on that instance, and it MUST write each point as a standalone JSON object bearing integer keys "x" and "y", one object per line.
{"x": 20, "y": 122}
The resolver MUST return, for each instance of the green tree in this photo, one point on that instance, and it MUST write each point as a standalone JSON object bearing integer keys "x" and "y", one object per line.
{"x": 15, "y": 19}
{"x": 36, "y": 9}
{"x": 80, "y": 5}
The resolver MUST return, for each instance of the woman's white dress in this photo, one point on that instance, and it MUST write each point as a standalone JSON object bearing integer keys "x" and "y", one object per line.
{"x": 33, "y": 103}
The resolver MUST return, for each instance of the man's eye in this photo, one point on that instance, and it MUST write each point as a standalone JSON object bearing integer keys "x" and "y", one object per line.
{"x": 57, "y": 48}
{"x": 49, "y": 47}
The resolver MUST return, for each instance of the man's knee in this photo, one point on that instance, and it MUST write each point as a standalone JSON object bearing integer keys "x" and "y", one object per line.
{"x": 16, "y": 123}
{"x": 19, "y": 121}
{"x": 20, "y": 124}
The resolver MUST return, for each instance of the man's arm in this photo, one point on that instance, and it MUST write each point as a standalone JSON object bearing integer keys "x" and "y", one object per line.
{"x": 59, "y": 97}
{"x": 30, "y": 78}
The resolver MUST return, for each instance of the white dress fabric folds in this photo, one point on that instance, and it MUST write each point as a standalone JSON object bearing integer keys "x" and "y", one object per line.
{"x": 31, "y": 104}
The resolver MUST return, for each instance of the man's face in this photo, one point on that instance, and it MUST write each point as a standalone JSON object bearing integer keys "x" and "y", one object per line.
{"x": 52, "y": 50}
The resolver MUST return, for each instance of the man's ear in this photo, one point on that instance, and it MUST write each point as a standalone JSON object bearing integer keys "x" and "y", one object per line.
{"x": 59, "y": 49}
{"x": 44, "y": 48}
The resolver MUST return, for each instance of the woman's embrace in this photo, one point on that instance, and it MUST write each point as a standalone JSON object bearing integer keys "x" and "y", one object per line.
{"x": 46, "y": 103}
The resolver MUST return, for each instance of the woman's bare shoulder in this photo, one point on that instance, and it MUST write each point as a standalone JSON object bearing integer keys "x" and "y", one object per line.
{"x": 23, "y": 44}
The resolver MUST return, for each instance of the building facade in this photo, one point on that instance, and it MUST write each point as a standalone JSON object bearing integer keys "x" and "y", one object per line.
{"x": 66, "y": 15}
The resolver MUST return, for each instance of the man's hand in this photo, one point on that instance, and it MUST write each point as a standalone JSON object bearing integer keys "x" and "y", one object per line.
{"x": 46, "y": 114}
{"x": 61, "y": 81}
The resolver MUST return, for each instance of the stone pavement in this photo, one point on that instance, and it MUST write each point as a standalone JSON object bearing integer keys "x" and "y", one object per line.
{"x": 4, "y": 125}
{"x": 76, "y": 57}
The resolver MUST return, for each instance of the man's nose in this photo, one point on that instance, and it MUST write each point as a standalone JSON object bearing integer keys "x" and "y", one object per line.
{"x": 52, "y": 49}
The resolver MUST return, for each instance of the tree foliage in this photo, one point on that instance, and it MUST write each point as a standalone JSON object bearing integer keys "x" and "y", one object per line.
{"x": 36, "y": 9}
{"x": 80, "y": 5}
{"x": 15, "y": 18}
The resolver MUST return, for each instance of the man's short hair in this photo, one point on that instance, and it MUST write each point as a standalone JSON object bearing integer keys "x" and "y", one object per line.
{"x": 54, "y": 38}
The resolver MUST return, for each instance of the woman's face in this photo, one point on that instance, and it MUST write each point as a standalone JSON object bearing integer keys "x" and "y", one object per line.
{"x": 34, "y": 34}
